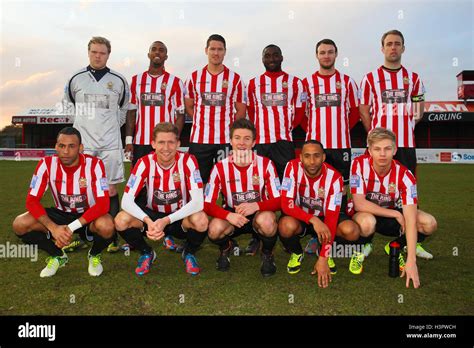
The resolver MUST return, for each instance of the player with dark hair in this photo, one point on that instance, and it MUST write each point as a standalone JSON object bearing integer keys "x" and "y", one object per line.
{"x": 156, "y": 96}
{"x": 214, "y": 98}
{"x": 393, "y": 97}
{"x": 249, "y": 186}
{"x": 276, "y": 103}
{"x": 80, "y": 192}
{"x": 174, "y": 201}
{"x": 311, "y": 196}
{"x": 332, "y": 111}
{"x": 385, "y": 199}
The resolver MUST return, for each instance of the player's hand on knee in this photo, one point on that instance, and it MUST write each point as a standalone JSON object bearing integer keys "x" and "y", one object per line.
{"x": 411, "y": 272}
{"x": 237, "y": 220}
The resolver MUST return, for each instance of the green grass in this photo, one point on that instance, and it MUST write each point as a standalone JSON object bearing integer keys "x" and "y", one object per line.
{"x": 446, "y": 191}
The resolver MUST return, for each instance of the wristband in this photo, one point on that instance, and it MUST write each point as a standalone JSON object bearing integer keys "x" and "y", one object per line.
{"x": 128, "y": 140}
{"x": 75, "y": 225}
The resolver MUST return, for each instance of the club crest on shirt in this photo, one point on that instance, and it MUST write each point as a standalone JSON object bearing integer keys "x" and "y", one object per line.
{"x": 82, "y": 182}
{"x": 164, "y": 85}
{"x": 255, "y": 180}
{"x": 225, "y": 84}
{"x": 176, "y": 177}
{"x": 406, "y": 80}
{"x": 338, "y": 85}
{"x": 391, "y": 187}
{"x": 284, "y": 84}
{"x": 110, "y": 85}
{"x": 321, "y": 192}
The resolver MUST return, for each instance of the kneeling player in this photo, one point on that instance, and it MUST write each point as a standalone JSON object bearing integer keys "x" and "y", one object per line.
{"x": 311, "y": 194}
{"x": 385, "y": 199}
{"x": 249, "y": 186}
{"x": 174, "y": 201}
{"x": 80, "y": 191}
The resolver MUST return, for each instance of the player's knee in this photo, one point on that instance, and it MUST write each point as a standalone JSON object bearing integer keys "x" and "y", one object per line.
{"x": 215, "y": 231}
{"x": 199, "y": 221}
{"x": 367, "y": 224}
{"x": 19, "y": 226}
{"x": 105, "y": 227}
{"x": 287, "y": 227}
{"x": 431, "y": 225}
{"x": 121, "y": 221}
{"x": 266, "y": 224}
{"x": 349, "y": 230}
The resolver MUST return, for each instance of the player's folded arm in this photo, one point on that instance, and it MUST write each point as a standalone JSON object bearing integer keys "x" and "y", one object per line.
{"x": 273, "y": 204}
{"x": 100, "y": 208}
{"x": 289, "y": 208}
{"x": 195, "y": 205}
{"x": 129, "y": 206}
{"x": 212, "y": 209}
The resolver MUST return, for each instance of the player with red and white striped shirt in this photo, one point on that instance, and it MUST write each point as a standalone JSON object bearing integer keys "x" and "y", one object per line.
{"x": 80, "y": 191}
{"x": 174, "y": 201}
{"x": 249, "y": 187}
{"x": 276, "y": 104}
{"x": 156, "y": 96}
{"x": 385, "y": 198}
{"x": 331, "y": 113}
{"x": 212, "y": 94}
{"x": 392, "y": 97}
{"x": 332, "y": 108}
{"x": 311, "y": 196}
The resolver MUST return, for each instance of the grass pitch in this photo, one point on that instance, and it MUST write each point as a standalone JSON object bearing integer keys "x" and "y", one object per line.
{"x": 445, "y": 191}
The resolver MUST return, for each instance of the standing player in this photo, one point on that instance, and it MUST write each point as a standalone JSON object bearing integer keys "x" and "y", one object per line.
{"x": 80, "y": 192}
{"x": 332, "y": 111}
{"x": 392, "y": 97}
{"x": 156, "y": 96}
{"x": 100, "y": 97}
{"x": 311, "y": 195}
{"x": 385, "y": 198}
{"x": 212, "y": 93}
{"x": 249, "y": 187}
{"x": 275, "y": 106}
{"x": 174, "y": 200}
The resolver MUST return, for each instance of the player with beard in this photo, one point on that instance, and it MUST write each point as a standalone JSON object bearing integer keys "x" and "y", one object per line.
{"x": 80, "y": 192}
{"x": 156, "y": 96}
{"x": 332, "y": 111}
{"x": 311, "y": 195}
{"x": 393, "y": 97}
